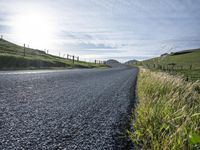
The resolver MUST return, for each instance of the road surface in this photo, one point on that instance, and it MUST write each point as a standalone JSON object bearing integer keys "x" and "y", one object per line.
{"x": 66, "y": 109}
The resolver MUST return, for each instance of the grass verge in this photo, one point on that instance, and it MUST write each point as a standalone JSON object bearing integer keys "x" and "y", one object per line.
{"x": 168, "y": 112}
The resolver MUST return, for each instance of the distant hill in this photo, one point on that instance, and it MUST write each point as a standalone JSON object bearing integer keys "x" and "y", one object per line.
{"x": 12, "y": 56}
{"x": 131, "y": 62}
{"x": 113, "y": 63}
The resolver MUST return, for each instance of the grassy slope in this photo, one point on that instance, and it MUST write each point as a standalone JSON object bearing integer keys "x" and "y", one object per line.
{"x": 185, "y": 60}
{"x": 168, "y": 112}
{"x": 187, "y": 64}
{"x": 12, "y": 57}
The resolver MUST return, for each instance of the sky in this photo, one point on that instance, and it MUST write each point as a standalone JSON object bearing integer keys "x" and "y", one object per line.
{"x": 103, "y": 29}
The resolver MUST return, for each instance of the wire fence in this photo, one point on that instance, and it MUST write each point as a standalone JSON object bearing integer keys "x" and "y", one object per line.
{"x": 25, "y": 51}
{"x": 190, "y": 72}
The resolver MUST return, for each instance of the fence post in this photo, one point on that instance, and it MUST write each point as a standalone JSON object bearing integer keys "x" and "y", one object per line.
{"x": 73, "y": 59}
{"x": 78, "y": 58}
{"x": 1, "y": 37}
{"x": 67, "y": 56}
{"x": 24, "y": 50}
{"x": 190, "y": 67}
{"x": 95, "y": 61}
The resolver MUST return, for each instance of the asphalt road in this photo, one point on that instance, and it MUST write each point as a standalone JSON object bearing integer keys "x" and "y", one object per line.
{"x": 66, "y": 109}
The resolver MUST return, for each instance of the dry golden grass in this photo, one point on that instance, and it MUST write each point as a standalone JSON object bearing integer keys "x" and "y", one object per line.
{"x": 168, "y": 112}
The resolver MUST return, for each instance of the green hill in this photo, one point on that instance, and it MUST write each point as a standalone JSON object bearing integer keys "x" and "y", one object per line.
{"x": 184, "y": 62}
{"x": 12, "y": 56}
{"x": 131, "y": 62}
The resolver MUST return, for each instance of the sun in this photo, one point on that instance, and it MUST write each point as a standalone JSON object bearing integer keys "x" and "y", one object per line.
{"x": 34, "y": 29}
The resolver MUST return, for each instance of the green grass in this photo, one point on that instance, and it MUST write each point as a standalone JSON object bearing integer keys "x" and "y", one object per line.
{"x": 12, "y": 57}
{"x": 187, "y": 64}
{"x": 168, "y": 112}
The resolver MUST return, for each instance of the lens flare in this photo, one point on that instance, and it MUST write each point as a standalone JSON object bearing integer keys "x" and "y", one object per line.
{"x": 35, "y": 28}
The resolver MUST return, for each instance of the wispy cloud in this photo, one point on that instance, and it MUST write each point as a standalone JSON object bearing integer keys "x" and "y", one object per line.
{"x": 109, "y": 28}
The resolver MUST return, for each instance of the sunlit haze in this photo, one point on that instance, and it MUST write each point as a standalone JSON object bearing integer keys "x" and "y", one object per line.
{"x": 103, "y": 29}
{"x": 34, "y": 28}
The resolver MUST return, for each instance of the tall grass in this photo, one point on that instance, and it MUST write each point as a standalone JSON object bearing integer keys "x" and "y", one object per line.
{"x": 168, "y": 112}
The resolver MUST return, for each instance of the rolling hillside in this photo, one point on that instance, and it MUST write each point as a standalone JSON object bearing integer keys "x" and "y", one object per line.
{"x": 184, "y": 62}
{"x": 12, "y": 56}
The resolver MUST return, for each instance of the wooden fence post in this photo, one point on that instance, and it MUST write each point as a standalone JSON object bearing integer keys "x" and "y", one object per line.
{"x": 73, "y": 59}
{"x": 190, "y": 67}
{"x": 24, "y": 50}
{"x": 1, "y": 37}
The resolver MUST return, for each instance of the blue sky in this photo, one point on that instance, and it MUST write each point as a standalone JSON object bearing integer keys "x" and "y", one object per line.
{"x": 103, "y": 29}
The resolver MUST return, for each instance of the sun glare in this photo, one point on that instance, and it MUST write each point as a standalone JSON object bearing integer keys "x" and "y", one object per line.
{"x": 34, "y": 29}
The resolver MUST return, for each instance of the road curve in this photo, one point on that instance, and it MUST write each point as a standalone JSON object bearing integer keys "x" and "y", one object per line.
{"x": 71, "y": 109}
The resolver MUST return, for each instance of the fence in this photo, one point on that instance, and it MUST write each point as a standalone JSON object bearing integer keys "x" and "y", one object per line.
{"x": 25, "y": 51}
{"x": 99, "y": 62}
{"x": 192, "y": 78}
{"x": 169, "y": 67}
{"x": 188, "y": 70}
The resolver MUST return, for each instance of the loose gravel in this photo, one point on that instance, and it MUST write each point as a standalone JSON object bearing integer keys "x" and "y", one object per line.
{"x": 72, "y": 109}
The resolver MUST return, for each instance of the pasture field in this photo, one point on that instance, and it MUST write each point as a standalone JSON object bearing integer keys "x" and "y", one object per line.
{"x": 186, "y": 63}
{"x": 13, "y": 56}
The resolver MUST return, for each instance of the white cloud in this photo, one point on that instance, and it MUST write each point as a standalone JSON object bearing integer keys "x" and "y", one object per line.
{"x": 111, "y": 28}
